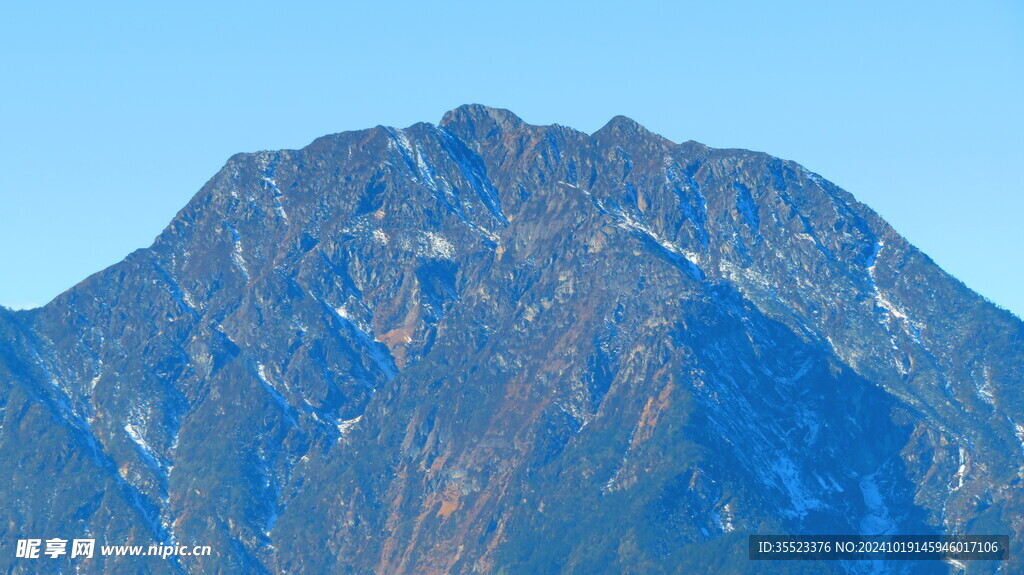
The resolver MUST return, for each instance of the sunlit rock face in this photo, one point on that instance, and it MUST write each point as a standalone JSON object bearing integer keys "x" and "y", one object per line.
{"x": 487, "y": 346}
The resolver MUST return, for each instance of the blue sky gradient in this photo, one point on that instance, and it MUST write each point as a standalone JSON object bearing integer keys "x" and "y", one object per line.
{"x": 113, "y": 115}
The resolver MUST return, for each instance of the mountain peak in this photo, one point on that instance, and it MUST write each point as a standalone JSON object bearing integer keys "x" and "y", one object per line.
{"x": 495, "y": 331}
{"x": 475, "y": 115}
{"x": 622, "y": 126}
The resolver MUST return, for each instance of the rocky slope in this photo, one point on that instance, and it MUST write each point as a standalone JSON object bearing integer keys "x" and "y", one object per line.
{"x": 488, "y": 346}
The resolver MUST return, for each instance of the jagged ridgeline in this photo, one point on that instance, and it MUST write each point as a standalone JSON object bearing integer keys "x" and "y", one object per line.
{"x": 487, "y": 346}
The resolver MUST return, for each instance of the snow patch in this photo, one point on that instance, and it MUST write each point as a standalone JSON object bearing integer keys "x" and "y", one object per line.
{"x": 437, "y": 246}
{"x": 398, "y": 140}
{"x": 883, "y": 303}
{"x": 958, "y": 477}
{"x": 958, "y": 565}
{"x": 628, "y": 222}
{"x": 985, "y": 388}
{"x": 137, "y": 435}
{"x": 238, "y": 255}
{"x": 96, "y": 380}
{"x": 261, "y": 374}
{"x": 345, "y": 312}
{"x": 186, "y": 296}
{"x": 363, "y": 332}
{"x": 789, "y": 475}
{"x": 267, "y": 175}
{"x": 877, "y": 521}
{"x": 347, "y": 425}
{"x": 726, "y": 518}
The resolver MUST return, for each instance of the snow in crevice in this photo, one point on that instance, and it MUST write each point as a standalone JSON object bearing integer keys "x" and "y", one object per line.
{"x": 446, "y": 195}
{"x": 726, "y": 518}
{"x": 342, "y": 426}
{"x": 805, "y": 368}
{"x": 575, "y": 413}
{"x": 268, "y": 169}
{"x": 398, "y": 141}
{"x": 828, "y": 484}
{"x": 186, "y": 297}
{"x": 362, "y": 331}
{"x": 238, "y": 252}
{"x": 961, "y": 473}
{"x": 731, "y": 414}
{"x": 686, "y": 260}
{"x": 808, "y": 233}
{"x": 880, "y": 300}
{"x": 984, "y": 388}
{"x": 268, "y": 525}
{"x": 610, "y": 485}
{"x": 346, "y": 426}
{"x": 413, "y": 156}
{"x": 818, "y": 180}
{"x": 137, "y": 428}
{"x": 62, "y": 399}
{"x": 181, "y": 296}
{"x": 421, "y": 171}
{"x": 96, "y": 379}
{"x": 883, "y": 303}
{"x": 261, "y": 374}
{"x": 149, "y": 511}
{"x": 675, "y": 253}
{"x": 1018, "y": 430}
{"x": 747, "y": 278}
{"x": 788, "y": 476}
{"x": 272, "y": 496}
{"x": 312, "y": 411}
{"x": 747, "y": 207}
{"x": 136, "y": 431}
{"x": 960, "y": 566}
{"x": 427, "y": 173}
{"x": 173, "y": 447}
{"x": 352, "y": 311}
{"x": 473, "y": 171}
{"x": 691, "y": 200}
{"x": 267, "y": 456}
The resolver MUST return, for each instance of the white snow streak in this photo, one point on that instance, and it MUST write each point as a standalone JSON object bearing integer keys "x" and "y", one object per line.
{"x": 261, "y": 373}
{"x": 347, "y": 425}
{"x": 238, "y": 255}
{"x": 437, "y": 246}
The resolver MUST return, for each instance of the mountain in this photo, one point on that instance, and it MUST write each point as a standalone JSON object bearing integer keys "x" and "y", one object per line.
{"x": 488, "y": 346}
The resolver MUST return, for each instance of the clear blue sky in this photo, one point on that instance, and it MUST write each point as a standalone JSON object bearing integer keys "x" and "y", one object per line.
{"x": 112, "y": 115}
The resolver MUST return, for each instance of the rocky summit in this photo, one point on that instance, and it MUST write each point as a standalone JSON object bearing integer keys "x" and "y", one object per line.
{"x": 485, "y": 346}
